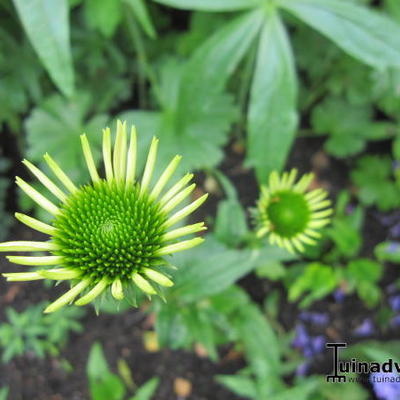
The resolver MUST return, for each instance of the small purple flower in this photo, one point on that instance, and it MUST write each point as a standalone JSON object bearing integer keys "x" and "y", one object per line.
{"x": 309, "y": 345}
{"x": 316, "y": 318}
{"x": 302, "y": 369}
{"x": 386, "y": 385}
{"x": 350, "y": 209}
{"x": 318, "y": 343}
{"x": 395, "y": 322}
{"x": 302, "y": 338}
{"x": 365, "y": 329}
{"x": 395, "y": 230}
{"x": 394, "y": 302}
{"x": 339, "y": 295}
{"x": 392, "y": 247}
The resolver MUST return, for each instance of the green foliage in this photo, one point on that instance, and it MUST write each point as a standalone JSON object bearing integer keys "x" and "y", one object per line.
{"x": 363, "y": 275}
{"x": 4, "y": 393}
{"x": 33, "y": 331}
{"x": 104, "y": 385}
{"x": 388, "y": 251}
{"x": 373, "y": 177}
{"x": 366, "y": 35}
{"x": 317, "y": 280}
{"x": 46, "y": 24}
{"x": 54, "y": 128}
{"x": 197, "y": 133}
{"x": 347, "y": 135}
{"x": 20, "y": 78}
{"x": 230, "y": 223}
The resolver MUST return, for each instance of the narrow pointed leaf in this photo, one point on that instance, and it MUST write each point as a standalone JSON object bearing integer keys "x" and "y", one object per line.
{"x": 272, "y": 117}
{"x": 366, "y": 35}
{"x": 46, "y": 24}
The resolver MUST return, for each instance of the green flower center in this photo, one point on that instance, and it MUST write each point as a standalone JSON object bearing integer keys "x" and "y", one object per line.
{"x": 108, "y": 230}
{"x": 289, "y": 213}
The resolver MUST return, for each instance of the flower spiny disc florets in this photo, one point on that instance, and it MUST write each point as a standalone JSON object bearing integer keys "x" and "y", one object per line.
{"x": 112, "y": 232}
{"x": 289, "y": 214}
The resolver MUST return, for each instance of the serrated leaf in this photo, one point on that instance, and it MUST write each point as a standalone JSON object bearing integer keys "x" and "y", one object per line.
{"x": 55, "y": 127}
{"x": 372, "y": 176}
{"x": 272, "y": 117}
{"x": 47, "y": 26}
{"x": 366, "y": 35}
{"x": 317, "y": 279}
{"x": 200, "y": 138}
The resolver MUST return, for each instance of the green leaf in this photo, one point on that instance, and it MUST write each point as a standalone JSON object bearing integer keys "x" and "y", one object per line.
{"x": 211, "y": 268}
{"x": 46, "y": 24}
{"x": 97, "y": 366}
{"x": 103, "y": 384}
{"x": 301, "y": 391}
{"x": 365, "y": 269}
{"x": 54, "y": 128}
{"x": 104, "y": 15}
{"x": 260, "y": 344}
{"x": 211, "y": 5}
{"x": 170, "y": 327}
{"x": 366, "y": 35}
{"x": 239, "y": 384}
{"x": 147, "y": 390}
{"x": 210, "y": 67}
{"x": 388, "y": 251}
{"x": 198, "y": 138}
{"x": 272, "y": 117}
{"x": 230, "y": 223}
{"x": 199, "y": 322}
{"x": 373, "y": 177}
{"x": 317, "y": 279}
{"x": 139, "y": 9}
{"x": 338, "y": 391}
{"x": 109, "y": 387}
{"x": 4, "y": 393}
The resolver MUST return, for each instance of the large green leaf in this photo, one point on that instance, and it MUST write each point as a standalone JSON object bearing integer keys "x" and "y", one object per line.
{"x": 364, "y": 34}
{"x": 210, "y": 67}
{"x": 46, "y": 24}
{"x": 211, "y": 268}
{"x": 198, "y": 138}
{"x": 211, "y": 5}
{"x": 272, "y": 117}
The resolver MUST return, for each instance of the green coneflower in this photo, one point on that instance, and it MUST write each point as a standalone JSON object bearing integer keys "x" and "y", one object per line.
{"x": 109, "y": 233}
{"x": 290, "y": 215}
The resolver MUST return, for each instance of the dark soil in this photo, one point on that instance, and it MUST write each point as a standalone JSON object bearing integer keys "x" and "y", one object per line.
{"x": 121, "y": 335}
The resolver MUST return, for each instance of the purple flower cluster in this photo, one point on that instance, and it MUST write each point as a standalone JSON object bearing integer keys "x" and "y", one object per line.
{"x": 386, "y": 385}
{"x": 365, "y": 329}
{"x": 309, "y": 345}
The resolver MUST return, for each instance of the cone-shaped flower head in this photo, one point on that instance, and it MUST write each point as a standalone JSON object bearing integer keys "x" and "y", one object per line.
{"x": 109, "y": 233}
{"x": 290, "y": 214}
